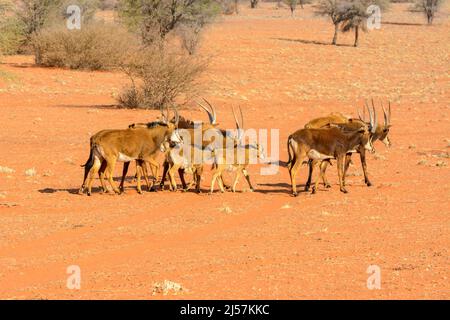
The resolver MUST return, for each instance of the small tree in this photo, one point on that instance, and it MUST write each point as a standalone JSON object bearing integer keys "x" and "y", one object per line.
{"x": 155, "y": 19}
{"x": 292, "y": 5}
{"x": 354, "y": 15}
{"x": 429, "y": 8}
{"x": 332, "y": 9}
{"x": 349, "y": 14}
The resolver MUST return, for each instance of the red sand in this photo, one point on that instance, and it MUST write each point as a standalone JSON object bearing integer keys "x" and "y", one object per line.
{"x": 270, "y": 246}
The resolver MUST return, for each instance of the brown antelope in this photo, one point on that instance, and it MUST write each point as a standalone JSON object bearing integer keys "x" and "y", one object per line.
{"x": 381, "y": 133}
{"x": 188, "y": 126}
{"x": 335, "y": 117}
{"x": 334, "y": 141}
{"x": 125, "y": 146}
{"x": 177, "y": 159}
{"x": 242, "y": 157}
{"x": 209, "y": 132}
{"x": 153, "y": 163}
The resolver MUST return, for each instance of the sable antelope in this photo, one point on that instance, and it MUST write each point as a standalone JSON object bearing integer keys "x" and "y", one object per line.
{"x": 335, "y": 117}
{"x": 381, "y": 133}
{"x": 242, "y": 157}
{"x": 334, "y": 141}
{"x": 124, "y": 146}
{"x": 177, "y": 159}
{"x": 209, "y": 133}
{"x": 189, "y": 126}
{"x": 140, "y": 163}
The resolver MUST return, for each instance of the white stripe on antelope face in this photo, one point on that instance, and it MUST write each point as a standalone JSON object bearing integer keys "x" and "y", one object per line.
{"x": 369, "y": 146}
{"x": 175, "y": 137}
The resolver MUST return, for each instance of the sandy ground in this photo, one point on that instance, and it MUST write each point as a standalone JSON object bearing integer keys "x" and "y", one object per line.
{"x": 258, "y": 245}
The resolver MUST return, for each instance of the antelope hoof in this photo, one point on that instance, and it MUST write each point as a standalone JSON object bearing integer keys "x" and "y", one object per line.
{"x": 89, "y": 193}
{"x": 327, "y": 185}
{"x": 368, "y": 183}
{"x": 252, "y": 190}
{"x": 344, "y": 190}
{"x": 313, "y": 191}
{"x": 81, "y": 191}
{"x": 307, "y": 187}
{"x": 294, "y": 194}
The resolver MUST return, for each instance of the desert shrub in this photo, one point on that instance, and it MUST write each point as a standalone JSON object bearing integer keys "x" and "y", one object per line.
{"x": 160, "y": 78}
{"x": 26, "y": 18}
{"x": 11, "y": 30}
{"x": 96, "y": 46}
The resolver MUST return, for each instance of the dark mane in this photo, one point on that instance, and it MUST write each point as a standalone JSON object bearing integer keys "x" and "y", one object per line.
{"x": 156, "y": 124}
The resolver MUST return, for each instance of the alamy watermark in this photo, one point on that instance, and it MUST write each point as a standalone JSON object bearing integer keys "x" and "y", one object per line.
{"x": 374, "y": 19}
{"x": 374, "y": 279}
{"x": 74, "y": 280}
{"x": 74, "y": 17}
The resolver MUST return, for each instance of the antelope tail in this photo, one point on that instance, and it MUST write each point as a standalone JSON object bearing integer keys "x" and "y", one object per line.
{"x": 289, "y": 147}
{"x": 90, "y": 161}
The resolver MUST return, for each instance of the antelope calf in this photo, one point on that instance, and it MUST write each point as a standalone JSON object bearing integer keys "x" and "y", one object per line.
{"x": 177, "y": 159}
{"x": 242, "y": 158}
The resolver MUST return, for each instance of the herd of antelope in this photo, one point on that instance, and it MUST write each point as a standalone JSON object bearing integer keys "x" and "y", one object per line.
{"x": 333, "y": 137}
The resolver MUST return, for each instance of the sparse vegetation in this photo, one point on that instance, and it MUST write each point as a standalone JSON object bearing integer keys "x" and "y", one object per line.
{"x": 95, "y": 47}
{"x": 429, "y": 8}
{"x": 348, "y": 14}
{"x": 160, "y": 78}
{"x": 292, "y": 5}
{"x": 155, "y": 19}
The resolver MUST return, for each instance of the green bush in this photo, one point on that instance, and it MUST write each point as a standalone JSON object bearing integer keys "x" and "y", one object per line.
{"x": 12, "y": 36}
{"x": 96, "y": 46}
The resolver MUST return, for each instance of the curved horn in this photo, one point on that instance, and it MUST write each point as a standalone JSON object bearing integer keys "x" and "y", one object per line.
{"x": 210, "y": 116}
{"x": 164, "y": 119}
{"x": 389, "y": 114}
{"x": 242, "y": 118}
{"x": 359, "y": 114}
{"x": 238, "y": 126}
{"x": 177, "y": 116}
{"x": 373, "y": 122}
{"x": 213, "y": 110}
{"x": 385, "y": 115}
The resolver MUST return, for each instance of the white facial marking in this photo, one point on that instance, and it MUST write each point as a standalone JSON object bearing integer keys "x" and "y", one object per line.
{"x": 368, "y": 146}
